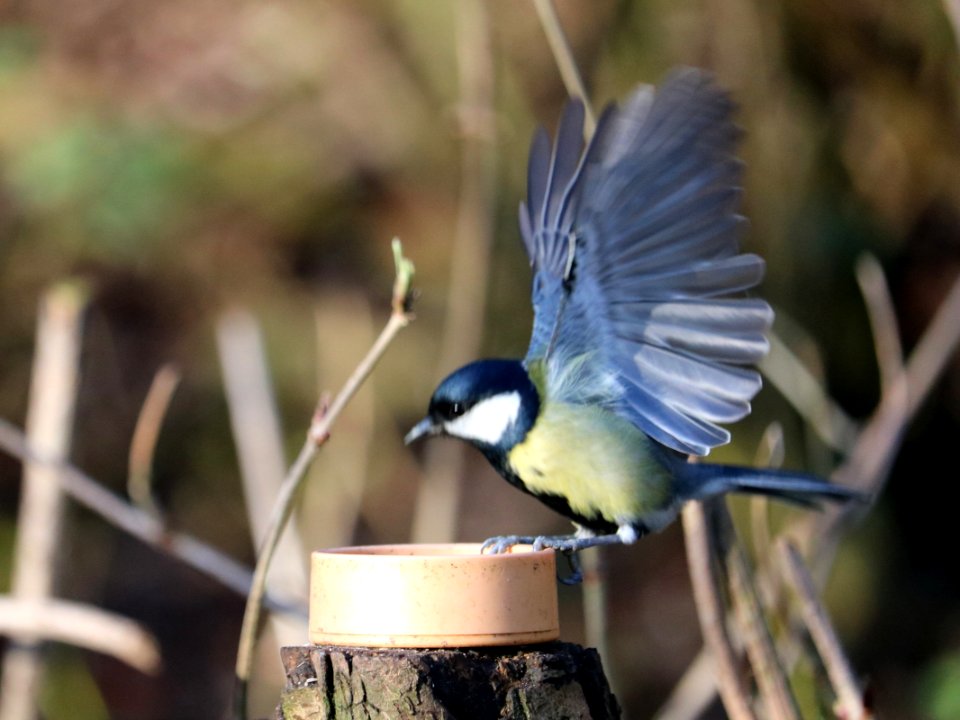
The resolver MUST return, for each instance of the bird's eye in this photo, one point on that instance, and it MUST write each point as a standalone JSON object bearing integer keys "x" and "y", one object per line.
{"x": 450, "y": 410}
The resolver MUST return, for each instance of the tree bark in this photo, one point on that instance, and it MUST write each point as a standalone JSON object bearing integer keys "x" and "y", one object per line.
{"x": 542, "y": 682}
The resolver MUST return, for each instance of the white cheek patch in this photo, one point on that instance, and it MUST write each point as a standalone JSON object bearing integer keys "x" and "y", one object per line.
{"x": 488, "y": 420}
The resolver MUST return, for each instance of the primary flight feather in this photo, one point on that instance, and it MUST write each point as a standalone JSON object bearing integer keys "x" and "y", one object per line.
{"x": 643, "y": 340}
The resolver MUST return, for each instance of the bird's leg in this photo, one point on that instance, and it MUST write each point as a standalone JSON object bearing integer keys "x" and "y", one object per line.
{"x": 626, "y": 534}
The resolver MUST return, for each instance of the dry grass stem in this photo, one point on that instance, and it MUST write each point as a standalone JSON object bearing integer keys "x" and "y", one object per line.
{"x": 693, "y": 693}
{"x": 259, "y": 441}
{"x": 867, "y": 467}
{"x": 849, "y": 695}
{"x": 774, "y": 688}
{"x": 145, "y": 435}
{"x": 136, "y": 522}
{"x": 807, "y": 395}
{"x": 563, "y": 56}
{"x": 770, "y": 453}
{"x": 708, "y": 594}
{"x": 53, "y": 391}
{"x": 883, "y": 320}
{"x": 594, "y": 584}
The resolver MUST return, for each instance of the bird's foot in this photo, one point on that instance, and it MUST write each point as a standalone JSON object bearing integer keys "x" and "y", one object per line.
{"x": 569, "y": 545}
{"x": 561, "y": 543}
{"x": 502, "y": 543}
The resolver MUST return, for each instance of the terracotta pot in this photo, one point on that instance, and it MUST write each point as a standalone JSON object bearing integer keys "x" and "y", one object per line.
{"x": 432, "y": 596}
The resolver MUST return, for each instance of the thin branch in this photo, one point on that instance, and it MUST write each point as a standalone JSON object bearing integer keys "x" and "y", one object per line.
{"x": 770, "y": 453}
{"x": 798, "y": 385}
{"x": 594, "y": 585}
{"x": 142, "y": 525}
{"x": 707, "y": 593}
{"x": 849, "y": 695}
{"x": 771, "y": 450}
{"x": 83, "y": 626}
{"x": 563, "y": 56}
{"x": 145, "y": 434}
{"x": 693, "y": 693}
{"x": 867, "y": 466}
{"x": 869, "y": 459}
{"x": 258, "y": 438}
{"x": 317, "y": 436}
{"x": 883, "y": 319}
{"x": 53, "y": 392}
{"x": 774, "y": 688}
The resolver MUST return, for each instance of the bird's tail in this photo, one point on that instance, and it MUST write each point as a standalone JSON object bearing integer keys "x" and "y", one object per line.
{"x": 701, "y": 480}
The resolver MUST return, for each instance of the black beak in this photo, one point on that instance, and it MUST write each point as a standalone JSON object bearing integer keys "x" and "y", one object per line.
{"x": 424, "y": 427}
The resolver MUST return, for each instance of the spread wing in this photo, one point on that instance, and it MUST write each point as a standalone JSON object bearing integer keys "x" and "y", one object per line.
{"x": 634, "y": 246}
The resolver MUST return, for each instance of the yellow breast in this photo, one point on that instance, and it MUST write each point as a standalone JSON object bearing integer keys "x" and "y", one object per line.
{"x": 598, "y": 461}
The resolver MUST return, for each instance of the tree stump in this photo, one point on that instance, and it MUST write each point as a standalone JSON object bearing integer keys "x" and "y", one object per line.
{"x": 542, "y": 682}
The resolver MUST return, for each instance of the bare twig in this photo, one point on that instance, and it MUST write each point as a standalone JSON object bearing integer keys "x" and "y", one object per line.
{"x": 594, "y": 585}
{"x": 771, "y": 449}
{"x": 53, "y": 390}
{"x": 770, "y": 453}
{"x": 849, "y": 695}
{"x": 258, "y": 437}
{"x": 693, "y": 693}
{"x": 798, "y": 385}
{"x": 438, "y": 498}
{"x": 563, "y": 56}
{"x": 145, "y": 434}
{"x": 707, "y": 593}
{"x": 317, "y": 435}
{"x": 869, "y": 462}
{"x": 883, "y": 319}
{"x": 81, "y": 625}
{"x": 867, "y": 465}
{"x": 772, "y": 683}
{"x": 136, "y": 522}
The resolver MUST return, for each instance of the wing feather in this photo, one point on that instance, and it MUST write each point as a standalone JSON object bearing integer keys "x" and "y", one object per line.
{"x": 654, "y": 292}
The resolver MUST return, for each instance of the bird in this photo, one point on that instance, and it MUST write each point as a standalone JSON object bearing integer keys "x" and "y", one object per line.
{"x": 644, "y": 339}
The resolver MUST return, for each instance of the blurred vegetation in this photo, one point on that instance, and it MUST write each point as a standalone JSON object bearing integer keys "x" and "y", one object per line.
{"x": 185, "y": 158}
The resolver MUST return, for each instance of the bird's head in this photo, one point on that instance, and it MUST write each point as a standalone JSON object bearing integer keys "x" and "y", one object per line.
{"x": 489, "y": 403}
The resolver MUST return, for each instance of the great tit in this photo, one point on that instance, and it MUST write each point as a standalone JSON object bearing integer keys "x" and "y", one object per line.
{"x": 643, "y": 339}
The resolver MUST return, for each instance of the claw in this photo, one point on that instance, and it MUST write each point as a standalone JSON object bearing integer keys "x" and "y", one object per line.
{"x": 576, "y": 572}
{"x": 502, "y": 543}
{"x": 568, "y": 545}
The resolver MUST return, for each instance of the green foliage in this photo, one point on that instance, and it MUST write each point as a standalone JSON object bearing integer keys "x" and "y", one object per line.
{"x": 939, "y": 688}
{"x": 102, "y": 188}
{"x": 18, "y": 49}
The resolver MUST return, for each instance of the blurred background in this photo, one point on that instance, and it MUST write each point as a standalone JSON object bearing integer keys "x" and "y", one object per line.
{"x": 186, "y": 159}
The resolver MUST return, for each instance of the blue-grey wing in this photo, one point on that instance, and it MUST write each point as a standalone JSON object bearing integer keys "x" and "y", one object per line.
{"x": 634, "y": 246}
